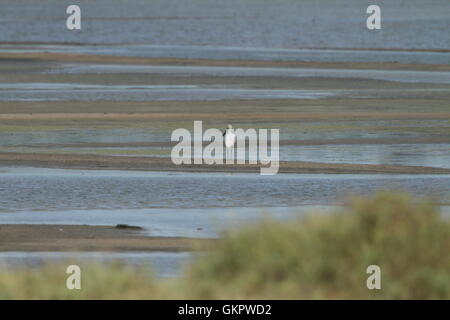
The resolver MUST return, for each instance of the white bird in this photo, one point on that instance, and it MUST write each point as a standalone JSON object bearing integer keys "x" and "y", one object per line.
{"x": 230, "y": 140}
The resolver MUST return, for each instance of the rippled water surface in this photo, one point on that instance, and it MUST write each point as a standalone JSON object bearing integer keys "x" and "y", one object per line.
{"x": 46, "y": 189}
{"x": 232, "y": 23}
{"x": 197, "y": 204}
{"x": 176, "y": 204}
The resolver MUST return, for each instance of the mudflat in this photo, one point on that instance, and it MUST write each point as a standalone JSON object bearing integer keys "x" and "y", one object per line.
{"x": 88, "y": 58}
{"x": 165, "y": 164}
{"x": 41, "y": 237}
{"x": 365, "y": 111}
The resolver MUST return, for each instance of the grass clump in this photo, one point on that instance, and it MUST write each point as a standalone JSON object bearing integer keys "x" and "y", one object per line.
{"x": 326, "y": 256}
{"x": 314, "y": 257}
{"x": 98, "y": 281}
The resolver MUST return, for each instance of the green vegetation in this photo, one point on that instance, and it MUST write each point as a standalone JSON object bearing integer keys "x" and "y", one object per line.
{"x": 98, "y": 281}
{"x": 326, "y": 256}
{"x": 320, "y": 256}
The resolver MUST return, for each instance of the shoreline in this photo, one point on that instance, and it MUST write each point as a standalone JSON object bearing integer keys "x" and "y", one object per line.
{"x": 388, "y": 115}
{"x": 306, "y": 142}
{"x": 111, "y": 59}
{"x": 158, "y": 116}
{"x": 70, "y": 43}
{"x": 68, "y": 238}
{"x": 95, "y": 162}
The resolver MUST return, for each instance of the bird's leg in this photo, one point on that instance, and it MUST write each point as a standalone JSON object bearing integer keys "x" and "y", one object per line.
{"x": 230, "y": 155}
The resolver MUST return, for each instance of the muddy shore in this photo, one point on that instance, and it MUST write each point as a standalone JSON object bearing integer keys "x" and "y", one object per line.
{"x": 25, "y": 237}
{"x": 165, "y": 164}
{"x": 87, "y": 58}
{"x": 377, "y": 112}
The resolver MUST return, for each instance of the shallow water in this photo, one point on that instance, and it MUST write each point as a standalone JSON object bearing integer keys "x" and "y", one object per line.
{"x": 251, "y": 23}
{"x": 176, "y": 204}
{"x": 43, "y": 91}
{"x": 61, "y": 133}
{"x": 30, "y": 189}
{"x": 187, "y": 92}
{"x": 388, "y": 75}
{"x": 237, "y": 53}
{"x": 427, "y": 155}
{"x": 163, "y": 264}
{"x": 164, "y": 222}
{"x": 154, "y": 93}
{"x": 203, "y": 205}
{"x": 199, "y": 205}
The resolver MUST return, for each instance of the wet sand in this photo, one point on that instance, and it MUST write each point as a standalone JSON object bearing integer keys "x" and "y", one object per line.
{"x": 307, "y": 109}
{"x": 55, "y": 238}
{"x": 20, "y": 57}
{"x": 164, "y": 164}
{"x": 228, "y": 116}
{"x": 394, "y": 112}
{"x": 311, "y": 142}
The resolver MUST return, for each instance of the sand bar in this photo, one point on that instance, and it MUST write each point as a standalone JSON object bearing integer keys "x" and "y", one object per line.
{"x": 165, "y": 164}
{"x": 29, "y": 237}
